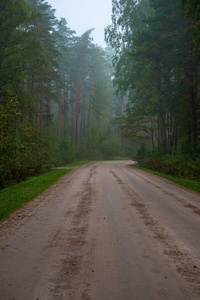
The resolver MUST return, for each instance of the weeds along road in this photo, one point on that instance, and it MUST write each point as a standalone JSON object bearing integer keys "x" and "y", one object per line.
{"x": 105, "y": 231}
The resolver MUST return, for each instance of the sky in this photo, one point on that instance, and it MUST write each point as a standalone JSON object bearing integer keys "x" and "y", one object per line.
{"x": 82, "y": 15}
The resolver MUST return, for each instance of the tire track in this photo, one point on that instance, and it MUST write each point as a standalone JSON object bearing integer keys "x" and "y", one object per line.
{"x": 75, "y": 267}
{"x": 185, "y": 266}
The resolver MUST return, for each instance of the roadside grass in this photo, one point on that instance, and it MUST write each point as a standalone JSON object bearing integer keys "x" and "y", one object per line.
{"x": 16, "y": 196}
{"x": 189, "y": 184}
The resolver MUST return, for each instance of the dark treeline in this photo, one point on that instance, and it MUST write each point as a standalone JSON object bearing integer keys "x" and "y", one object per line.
{"x": 56, "y": 96}
{"x": 157, "y": 60}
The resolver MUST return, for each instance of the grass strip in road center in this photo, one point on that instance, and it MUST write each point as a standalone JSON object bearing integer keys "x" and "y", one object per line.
{"x": 189, "y": 184}
{"x": 18, "y": 195}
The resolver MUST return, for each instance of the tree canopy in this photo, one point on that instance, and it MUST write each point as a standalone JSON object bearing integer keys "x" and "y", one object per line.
{"x": 56, "y": 100}
{"x": 156, "y": 68}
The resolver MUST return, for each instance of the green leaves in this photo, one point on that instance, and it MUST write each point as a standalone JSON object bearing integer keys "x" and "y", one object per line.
{"x": 55, "y": 91}
{"x": 156, "y": 66}
{"x": 191, "y": 9}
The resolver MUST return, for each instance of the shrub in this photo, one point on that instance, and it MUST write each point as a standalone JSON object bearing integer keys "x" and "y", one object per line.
{"x": 68, "y": 151}
{"x": 30, "y": 153}
{"x": 176, "y": 166}
{"x": 141, "y": 155}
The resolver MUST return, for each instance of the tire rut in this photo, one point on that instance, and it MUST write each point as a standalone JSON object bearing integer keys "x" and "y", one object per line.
{"x": 73, "y": 262}
{"x": 185, "y": 266}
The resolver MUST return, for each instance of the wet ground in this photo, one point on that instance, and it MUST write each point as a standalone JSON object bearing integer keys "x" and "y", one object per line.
{"x": 105, "y": 231}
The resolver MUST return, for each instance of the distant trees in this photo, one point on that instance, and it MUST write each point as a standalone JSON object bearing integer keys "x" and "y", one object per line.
{"x": 156, "y": 68}
{"x": 55, "y": 92}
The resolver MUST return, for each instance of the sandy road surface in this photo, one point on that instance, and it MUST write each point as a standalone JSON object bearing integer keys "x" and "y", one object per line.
{"x": 105, "y": 231}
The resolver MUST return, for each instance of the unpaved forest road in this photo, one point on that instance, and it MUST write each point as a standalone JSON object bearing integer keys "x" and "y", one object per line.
{"x": 105, "y": 231}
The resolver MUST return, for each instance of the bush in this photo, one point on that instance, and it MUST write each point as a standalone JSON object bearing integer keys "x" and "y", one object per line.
{"x": 176, "y": 166}
{"x": 68, "y": 151}
{"x": 24, "y": 154}
{"x": 141, "y": 155}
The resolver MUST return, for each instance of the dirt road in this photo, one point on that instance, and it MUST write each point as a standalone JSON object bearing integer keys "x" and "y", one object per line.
{"x": 105, "y": 231}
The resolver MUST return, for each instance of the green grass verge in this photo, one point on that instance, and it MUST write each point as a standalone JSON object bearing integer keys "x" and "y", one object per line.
{"x": 189, "y": 184}
{"x": 17, "y": 195}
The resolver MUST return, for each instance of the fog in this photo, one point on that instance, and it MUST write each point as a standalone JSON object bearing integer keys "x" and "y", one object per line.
{"x": 82, "y": 15}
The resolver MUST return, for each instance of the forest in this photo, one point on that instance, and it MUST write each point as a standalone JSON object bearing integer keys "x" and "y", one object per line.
{"x": 57, "y": 100}
{"x": 156, "y": 70}
{"x": 64, "y": 98}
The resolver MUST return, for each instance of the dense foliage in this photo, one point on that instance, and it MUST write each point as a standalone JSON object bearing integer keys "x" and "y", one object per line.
{"x": 156, "y": 62}
{"x": 56, "y": 99}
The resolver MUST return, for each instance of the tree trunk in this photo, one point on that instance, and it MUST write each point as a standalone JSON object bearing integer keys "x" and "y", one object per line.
{"x": 90, "y": 121}
{"x": 162, "y": 123}
{"x": 193, "y": 107}
{"x": 77, "y": 105}
{"x": 59, "y": 115}
{"x": 49, "y": 115}
{"x": 192, "y": 75}
{"x": 65, "y": 97}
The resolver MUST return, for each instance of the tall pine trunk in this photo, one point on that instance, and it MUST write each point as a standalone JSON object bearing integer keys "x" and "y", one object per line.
{"x": 192, "y": 75}
{"x": 65, "y": 114}
{"x": 161, "y": 119}
{"x": 90, "y": 121}
{"x": 77, "y": 105}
